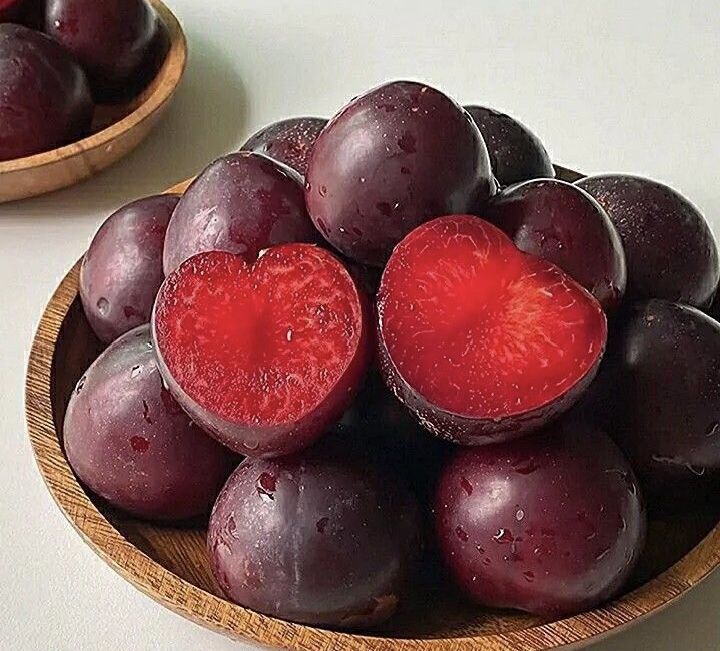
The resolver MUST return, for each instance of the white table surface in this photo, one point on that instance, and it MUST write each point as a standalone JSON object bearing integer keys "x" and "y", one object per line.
{"x": 608, "y": 87}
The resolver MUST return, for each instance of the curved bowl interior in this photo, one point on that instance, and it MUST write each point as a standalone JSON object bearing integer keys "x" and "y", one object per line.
{"x": 170, "y": 564}
{"x": 116, "y": 130}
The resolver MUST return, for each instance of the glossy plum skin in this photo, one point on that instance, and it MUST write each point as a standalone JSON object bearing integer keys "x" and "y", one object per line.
{"x": 121, "y": 272}
{"x": 45, "y": 99}
{"x": 561, "y": 223}
{"x": 241, "y": 203}
{"x": 670, "y": 250}
{"x": 390, "y": 160}
{"x": 326, "y": 538}
{"x": 551, "y": 524}
{"x": 665, "y": 374}
{"x": 482, "y": 342}
{"x": 288, "y": 141}
{"x": 128, "y": 440}
{"x": 516, "y": 153}
{"x": 266, "y": 357}
{"x": 113, "y": 40}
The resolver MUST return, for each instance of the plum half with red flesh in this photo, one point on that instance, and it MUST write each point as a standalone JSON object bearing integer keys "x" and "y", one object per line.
{"x": 671, "y": 252}
{"x": 325, "y": 537}
{"x": 287, "y": 141}
{"x": 121, "y": 272}
{"x": 551, "y": 524}
{"x": 129, "y": 441}
{"x": 480, "y": 340}
{"x": 392, "y": 159}
{"x": 265, "y": 356}
{"x": 241, "y": 203}
{"x": 563, "y": 224}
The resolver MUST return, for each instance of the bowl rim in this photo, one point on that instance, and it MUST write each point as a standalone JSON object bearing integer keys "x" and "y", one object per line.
{"x": 172, "y": 69}
{"x": 238, "y": 622}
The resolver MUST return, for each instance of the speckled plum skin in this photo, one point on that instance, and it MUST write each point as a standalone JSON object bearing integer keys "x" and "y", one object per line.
{"x": 45, "y": 99}
{"x": 551, "y": 524}
{"x": 516, "y": 153}
{"x": 325, "y": 538}
{"x": 287, "y": 141}
{"x": 128, "y": 440}
{"x": 121, "y": 272}
{"x": 241, "y": 203}
{"x": 563, "y": 224}
{"x": 670, "y": 250}
{"x": 390, "y": 160}
{"x": 113, "y": 40}
{"x": 664, "y": 372}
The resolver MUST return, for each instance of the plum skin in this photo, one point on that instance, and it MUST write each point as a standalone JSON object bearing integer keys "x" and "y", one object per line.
{"x": 46, "y": 99}
{"x": 670, "y": 250}
{"x": 516, "y": 153}
{"x": 128, "y": 440}
{"x": 121, "y": 272}
{"x": 326, "y": 537}
{"x": 241, "y": 203}
{"x": 551, "y": 524}
{"x": 288, "y": 141}
{"x": 664, "y": 374}
{"x": 129, "y": 28}
{"x": 390, "y": 160}
{"x": 563, "y": 224}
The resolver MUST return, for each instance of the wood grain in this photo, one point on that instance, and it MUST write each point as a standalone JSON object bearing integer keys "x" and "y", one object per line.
{"x": 116, "y": 130}
{"x": 170, "y": 565}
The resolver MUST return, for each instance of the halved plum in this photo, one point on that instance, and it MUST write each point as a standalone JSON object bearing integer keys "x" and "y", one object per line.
{"x": 287, "y": 141}
{"x": 481, "y": 341}
{"x": 326, "y": 537}
{"x": 516, "y": 153}
{"x": 241, "y": 203}
{"x": 551, "y": 524}
{"x": 392, "y": 159}
{"x": 264, "y": 356}
{"x": 671, "y": 252}
{"x": 563, "y": 224}
{"x": 131, "y": 443}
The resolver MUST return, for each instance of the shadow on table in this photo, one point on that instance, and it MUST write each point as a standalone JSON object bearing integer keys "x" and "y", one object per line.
{"x": 206, "y": 120}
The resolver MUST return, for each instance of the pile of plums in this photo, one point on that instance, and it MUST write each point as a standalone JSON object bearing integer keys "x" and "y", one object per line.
{"x": 400, "y": 318}
{"x": 60, "y": 57}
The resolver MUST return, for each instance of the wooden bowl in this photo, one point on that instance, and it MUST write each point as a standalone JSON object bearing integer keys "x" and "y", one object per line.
{"x": 116, "y": 130}
{"x": 170, "y": 564}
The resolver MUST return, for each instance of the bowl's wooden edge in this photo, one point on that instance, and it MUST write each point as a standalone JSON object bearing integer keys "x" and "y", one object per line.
{"x": 172, "y": 70}
{"x": 240, "y": 623}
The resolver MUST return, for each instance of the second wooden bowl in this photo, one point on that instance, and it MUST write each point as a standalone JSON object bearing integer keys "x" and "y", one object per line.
{"x": 170, "y": 564}
{"x": 116, "y": 130}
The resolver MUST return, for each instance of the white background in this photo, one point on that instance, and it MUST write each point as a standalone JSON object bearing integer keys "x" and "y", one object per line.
{"x": 607, "y": 86}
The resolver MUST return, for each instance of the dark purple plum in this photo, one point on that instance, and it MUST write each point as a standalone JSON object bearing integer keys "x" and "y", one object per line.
{"x": 563, "y": 224}
{"x": 516, "y": 153}
{"x": 670, "y": 250}
{"x": 665, "y": 379}
{"x": 287, "y": 141}
{"x": 241, "y": 203}
{"x": 390, "y": 160}
{"x": 551, "y": 524}
{"x": 121, "y": 272}
{"x": 12, "y": 10}
{"x": 325, "y": 538}
{"x": 44, "y": 95}
{"x": 113, "y": 40}
{"x": 128, "y": 440}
